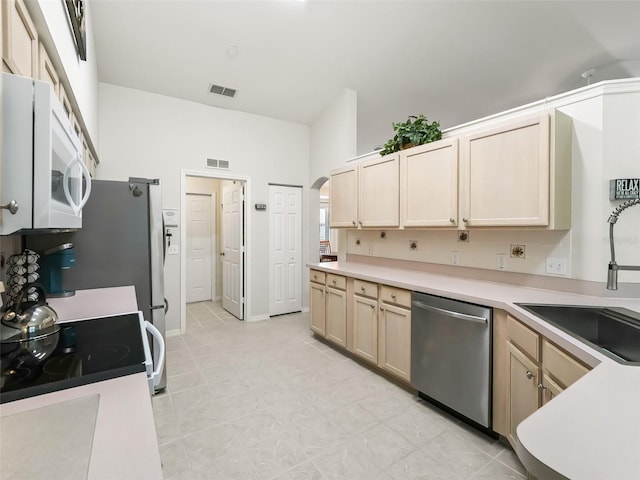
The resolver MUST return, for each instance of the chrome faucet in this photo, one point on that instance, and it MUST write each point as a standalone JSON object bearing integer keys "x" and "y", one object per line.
{"x": 612, "y": 274}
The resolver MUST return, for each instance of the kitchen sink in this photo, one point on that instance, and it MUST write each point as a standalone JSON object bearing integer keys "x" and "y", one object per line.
{"x": 614, "y": 331}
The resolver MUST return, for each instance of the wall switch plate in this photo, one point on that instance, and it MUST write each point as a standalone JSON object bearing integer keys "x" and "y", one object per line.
{"x": 556, "y": 266}
{"x": 370, "y": 249}
{"x": 501, "y": 261}
{"x": 173, "y": 250}
{"x": 455, "y": 258}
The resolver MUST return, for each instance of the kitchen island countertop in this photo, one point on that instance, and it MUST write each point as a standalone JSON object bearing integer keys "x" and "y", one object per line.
{"x": 592, "y": 430}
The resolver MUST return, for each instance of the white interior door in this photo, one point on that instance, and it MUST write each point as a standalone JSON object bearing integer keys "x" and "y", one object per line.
{"x": 285, "y": 253}
{"x": 233, "y": 249}
{"x": 199, "y": 246}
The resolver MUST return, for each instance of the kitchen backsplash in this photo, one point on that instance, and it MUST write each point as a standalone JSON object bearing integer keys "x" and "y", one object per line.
{"x": 530, "y": 252}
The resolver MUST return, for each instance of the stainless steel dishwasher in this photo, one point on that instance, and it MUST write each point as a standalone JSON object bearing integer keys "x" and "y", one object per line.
{"x": 451, "y": 355}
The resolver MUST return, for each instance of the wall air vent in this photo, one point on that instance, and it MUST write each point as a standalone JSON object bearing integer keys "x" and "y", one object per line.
{"x": 220, "y": 90}
{"x": 215, "y": 163}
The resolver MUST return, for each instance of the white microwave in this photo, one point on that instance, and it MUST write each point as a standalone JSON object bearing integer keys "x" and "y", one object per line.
{"x": 45, "y": 182}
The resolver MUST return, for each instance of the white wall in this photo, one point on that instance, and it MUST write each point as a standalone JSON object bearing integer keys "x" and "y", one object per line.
{"x": 333, "y": 141}
{"x": 606, "y": 145}
{"x": 149, "y": 135}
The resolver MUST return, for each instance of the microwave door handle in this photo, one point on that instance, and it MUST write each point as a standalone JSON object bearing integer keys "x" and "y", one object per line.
{"x": 87, "y": 178}
{"x": 85, "y": 173}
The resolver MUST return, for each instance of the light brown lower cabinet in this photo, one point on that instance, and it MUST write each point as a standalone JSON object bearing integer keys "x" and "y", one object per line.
{"x": 317, "y": 307}
{"x": 336, "y": 316}
{"x": 371, "y": 321}
{"x": 394, "y": 340}
{"x": 532, "y": 372}
{"x": 365, "y": 328}
{"x": 522, "y": 389}
{"x": 328, "y": 306}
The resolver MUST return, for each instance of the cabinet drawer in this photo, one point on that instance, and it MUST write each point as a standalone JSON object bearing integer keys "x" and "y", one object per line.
{"x": 336, "y": 281}
{"x": 316, "y": 276}
{"x": 526, "y": 339}
{"x": 395, "y": 295}
{"x": 560, "y": 365}
{"x": 367, "y": 289}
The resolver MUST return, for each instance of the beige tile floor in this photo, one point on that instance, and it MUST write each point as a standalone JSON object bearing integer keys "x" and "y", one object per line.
{"x": 267, "y": 400}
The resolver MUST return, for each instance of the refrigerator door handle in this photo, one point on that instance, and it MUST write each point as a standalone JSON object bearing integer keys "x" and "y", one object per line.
{"x": 159, "y": 341}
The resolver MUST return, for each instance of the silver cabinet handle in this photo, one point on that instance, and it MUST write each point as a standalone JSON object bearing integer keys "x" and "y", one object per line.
{"x": 362, "y": 288}
{"x": 530, "y": 375}
{"x": 393, "y": 295}
{"x": 360, "y": 222}
{"x": 465, "y": 219}
{"x": 541, "y": 387}
{"x": 373, "y": 306}
{"x": 452, "y": 220}
{"x": 222, "y": 254}
{"x": 12, "y": 206}
{"x": 353, "y": 221}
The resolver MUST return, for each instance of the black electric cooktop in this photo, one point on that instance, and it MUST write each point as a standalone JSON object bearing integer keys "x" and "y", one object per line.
{"x": 86, "y": 351}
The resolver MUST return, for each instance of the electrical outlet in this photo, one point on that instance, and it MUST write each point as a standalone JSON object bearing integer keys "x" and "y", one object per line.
{"x": 501, "y": 261}
{"x": 370, "y": 249}
{"x": 556, "y": 266}
{"x": 413, "y": 245}
{"x": 455, "y": 258}
{"x": 173, "y": 250}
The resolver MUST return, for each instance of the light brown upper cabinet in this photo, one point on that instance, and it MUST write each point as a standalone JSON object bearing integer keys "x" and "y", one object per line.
{"x": 343, "y": 197}
{"x": 379, "y": 192}
{"x": 20, "y": 40}
{"x": 518, "y": 175}
{"x": 429, "y": 185}
{"x": 46, "y": 70}
{"x": 367, "y": 194}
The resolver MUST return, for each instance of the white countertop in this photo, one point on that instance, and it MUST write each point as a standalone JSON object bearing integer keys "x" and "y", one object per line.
{"x": 124, "y": 441}
{"x": 125, "y": 445}
{"x": 592, "y": 430}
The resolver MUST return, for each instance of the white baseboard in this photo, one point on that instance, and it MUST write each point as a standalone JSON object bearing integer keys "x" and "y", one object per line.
{"x": 172, "y": 333}
{"x": 258, "y": 318}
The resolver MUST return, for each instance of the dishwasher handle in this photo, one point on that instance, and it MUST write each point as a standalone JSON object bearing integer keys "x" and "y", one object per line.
{"x": 448, "y": 313}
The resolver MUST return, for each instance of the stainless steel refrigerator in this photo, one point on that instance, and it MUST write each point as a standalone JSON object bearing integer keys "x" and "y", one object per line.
{"x": 121, "y": 243}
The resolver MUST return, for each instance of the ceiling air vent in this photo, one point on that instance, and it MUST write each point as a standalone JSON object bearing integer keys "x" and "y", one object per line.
{"x": 220, "y": 90}
{"x": 215, "y": 163}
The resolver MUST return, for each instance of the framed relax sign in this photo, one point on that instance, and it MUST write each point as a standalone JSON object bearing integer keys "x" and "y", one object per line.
{"x": 75, "y": 8}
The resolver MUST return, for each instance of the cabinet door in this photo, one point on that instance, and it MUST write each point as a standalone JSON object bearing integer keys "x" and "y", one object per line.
{"x": 336, "y": 316}
{"x": 46, "y": 70}
{"x": 523, "y": 376}
{"x": 365, "y": 328}
{"x": 20, "y": 49}
{"x": 429, "y": 185}
{"x": 561, "y": 366}
{"x": 343, "y": 198}
{"x": 506, "y": 175}
{"x": 379, "y": 192}
{"x": 394, "y": 340}
{"x": 550, "y": 389}
{"x": 317, "y": 308}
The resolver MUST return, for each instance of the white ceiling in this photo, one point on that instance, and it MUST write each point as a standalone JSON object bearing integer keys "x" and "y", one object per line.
{"x": 453, "y": 61}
